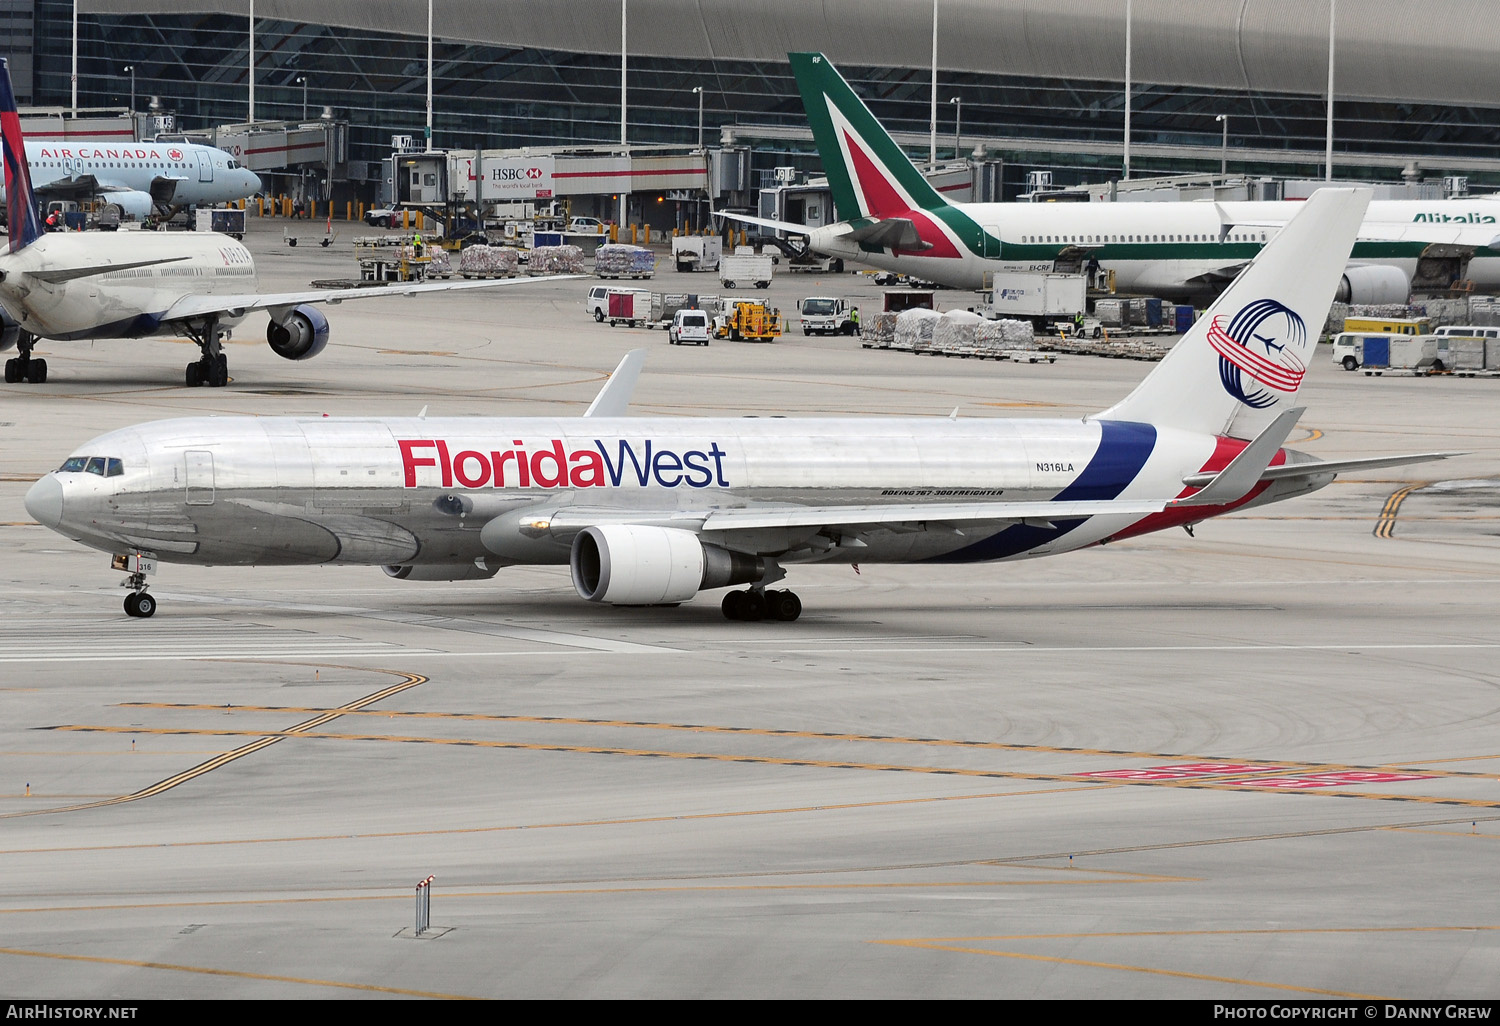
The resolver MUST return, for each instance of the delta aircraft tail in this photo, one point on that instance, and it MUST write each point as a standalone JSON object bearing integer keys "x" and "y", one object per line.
{"x": 1240, "y": 366}
{"x": 20, "y": 206}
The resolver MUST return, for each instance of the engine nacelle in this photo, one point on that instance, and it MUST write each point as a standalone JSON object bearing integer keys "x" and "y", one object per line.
{"x": 629, "y": 565}
{"x": 1369, "y": 284}
{"x": 10, "y": 330}
{"x": 129, "y": 203}
{"x": 301, "y": 335}
{"x": 443, "y": 571}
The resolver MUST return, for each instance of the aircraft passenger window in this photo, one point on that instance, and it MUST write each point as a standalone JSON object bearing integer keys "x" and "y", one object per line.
{"x": 116, "y": 468}
{"x": 95, "y": 465}
{"x": 73, "y": 465}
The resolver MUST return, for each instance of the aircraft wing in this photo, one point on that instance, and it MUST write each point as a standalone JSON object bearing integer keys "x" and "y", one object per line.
{"x": 791, "y": 227}
{"x": 191, "y": 307}
{"x": 1317, "y": 468}
{"x": 889, "y": 233}
{"x": 888, "y": 516}
{"x": 79, "y": 188}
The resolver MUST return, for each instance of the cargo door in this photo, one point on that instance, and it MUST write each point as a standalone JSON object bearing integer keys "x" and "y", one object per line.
{"x": 198, "y": 477}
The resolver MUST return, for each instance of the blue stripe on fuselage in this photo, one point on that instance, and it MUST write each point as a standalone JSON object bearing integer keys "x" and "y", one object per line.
{"x": 1124, "y": 448}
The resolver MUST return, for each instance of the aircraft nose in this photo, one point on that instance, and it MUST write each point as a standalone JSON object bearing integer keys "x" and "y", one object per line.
{"x": 44, "y": 501}
{"x": 254, "y": 182}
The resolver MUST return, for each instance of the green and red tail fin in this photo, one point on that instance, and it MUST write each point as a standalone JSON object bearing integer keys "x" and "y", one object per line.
{"x": 25, "y": 226}
{"x": 868, "y": 173}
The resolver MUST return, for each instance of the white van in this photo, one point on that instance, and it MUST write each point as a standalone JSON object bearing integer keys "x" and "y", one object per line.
{"x": 1469, "y": 331}
{"x": 689, "y": 327}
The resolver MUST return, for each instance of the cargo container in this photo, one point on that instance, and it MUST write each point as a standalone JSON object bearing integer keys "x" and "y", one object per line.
{"x": 1021, "y": 294}
{"x": 629, "y": 306}
{"x": 1375, "y": 353}
{"x": 1416, "y": 353}
{"x": 1492, "y": 354}
{"x": 1186, "y": 315}
{"x": 623, "y": 261}
{"x": 1465, "y": 354}
{"x": 224, "y": 220}
{"x": 750, "y": 268}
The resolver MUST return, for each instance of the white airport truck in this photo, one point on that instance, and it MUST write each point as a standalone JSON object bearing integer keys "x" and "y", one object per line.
{"x": 825, "y": 315}
{"x": 1037, "y": 297}
{"x": 697, "y": 252}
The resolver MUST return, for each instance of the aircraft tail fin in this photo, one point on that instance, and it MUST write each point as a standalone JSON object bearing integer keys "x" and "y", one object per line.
{"x": 21, "y": 213}
{"x": 1240, "y": 366}
{"x": 868, "y": 173}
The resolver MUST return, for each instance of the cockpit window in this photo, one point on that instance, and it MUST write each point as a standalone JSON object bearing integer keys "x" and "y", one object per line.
{"x": 104, "y": 466}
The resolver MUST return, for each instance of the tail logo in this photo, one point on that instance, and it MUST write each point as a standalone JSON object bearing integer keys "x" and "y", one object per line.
{"x": 1259, "y": 352}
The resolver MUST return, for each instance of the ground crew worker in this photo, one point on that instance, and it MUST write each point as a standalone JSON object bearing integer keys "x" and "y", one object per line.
{"x": 854, "y": 319}
{"x": 416, "y": 245}
{"x": 1078, "y": 324}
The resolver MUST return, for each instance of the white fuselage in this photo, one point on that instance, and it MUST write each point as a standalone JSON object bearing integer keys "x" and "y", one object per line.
{"x": 128, "y": 303}
{"x": 203, "y": 175}
{"x": 455, "y": 491}
{"x": 1167, "y": 248}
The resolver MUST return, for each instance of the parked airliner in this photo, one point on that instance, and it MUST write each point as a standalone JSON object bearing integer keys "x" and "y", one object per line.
{"x": 137, "y": 179}
{"x": 892, "y": 218}
{"x": 652, "y": 510}
{"x": 107, "y": 285}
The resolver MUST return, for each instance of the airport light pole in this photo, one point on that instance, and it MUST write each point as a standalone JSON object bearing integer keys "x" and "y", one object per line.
{"x": 699, "y": 91}
{"x": 1333, "y": 6}
{"x": 130, "y": 70}
{"x": 303, "y": 80}
{"x": 1127, "y": 87}
{"x": 1224, "y": 147}
{"x": 958, "y": 120}
{"x": 250, "y": 73}
{"x": 429, "y": 76}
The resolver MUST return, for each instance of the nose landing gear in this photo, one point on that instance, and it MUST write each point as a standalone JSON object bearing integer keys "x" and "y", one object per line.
{"x": 761, "y": 604}
{"x": 140, "y": 602}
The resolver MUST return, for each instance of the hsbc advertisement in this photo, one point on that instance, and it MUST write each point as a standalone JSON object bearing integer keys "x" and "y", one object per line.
{"x": 514, "y": 178}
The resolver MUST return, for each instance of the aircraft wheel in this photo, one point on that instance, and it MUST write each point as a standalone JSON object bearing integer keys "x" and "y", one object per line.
{"x": 219, "y": 371}
{"x": 783, "y": 605}
{"x": 192, "y": 375}
{"x": 12, "y": 371}
{"x": 733, "y": 605}
{"x": 140, "y": 604}
{"x": 37, "y": 372}
{"x": 755, "y": 605}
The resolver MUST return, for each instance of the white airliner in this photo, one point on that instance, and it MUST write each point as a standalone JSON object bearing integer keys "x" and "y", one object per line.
{"x": 894, "y": 219}
{"x": 137, "y": 179}
{"x": 104, "y": 285}
{"x": 652, "y": 510}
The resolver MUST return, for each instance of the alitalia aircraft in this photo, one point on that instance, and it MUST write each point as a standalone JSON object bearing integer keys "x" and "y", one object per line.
{"x": 653, "y": 510}
{"x": 894, "y": 219}
{"x": 109, "y": 285}
{"x": 137, "y": 178}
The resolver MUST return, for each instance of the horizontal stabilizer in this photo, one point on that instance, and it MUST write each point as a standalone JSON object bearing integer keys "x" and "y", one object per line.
{"x": 890, "y": 233}
{"x": 1244, "y": 472}
{"x": 791, "y": 227}
{"x": 1317, "y": 468}
{"x": 60, "y": 275}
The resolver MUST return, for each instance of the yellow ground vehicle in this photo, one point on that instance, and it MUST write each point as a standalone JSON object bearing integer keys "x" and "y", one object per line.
{"x": 1394, "y": 326}
{"x": 748, "y": 320}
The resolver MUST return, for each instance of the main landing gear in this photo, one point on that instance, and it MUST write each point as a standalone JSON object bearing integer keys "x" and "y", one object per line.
{"x": 212, "y": 368}
{"x": 762, "y": 604}
{"x": 25, "y": 367}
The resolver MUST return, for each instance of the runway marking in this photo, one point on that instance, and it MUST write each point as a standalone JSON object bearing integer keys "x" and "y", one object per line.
{"x": 1118, "y": 967}
{"x": 574, "y": 824}
{"x": 116, "y": 640}
{"x": 946, "y": 944}
{"x": 1185, "y": 761}
{"x": 237, "y": 974}
{"x": 764, "y": 760}
{"x": 265, "y": 740}
{"x": 1385, "y": 527}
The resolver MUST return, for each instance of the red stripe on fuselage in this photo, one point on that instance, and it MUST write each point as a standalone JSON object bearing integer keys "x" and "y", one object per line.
{"x": 1225, "y": 450}
{"x": 884, "y": 201}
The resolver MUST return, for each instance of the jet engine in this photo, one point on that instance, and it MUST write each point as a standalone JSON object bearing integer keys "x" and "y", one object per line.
{"x": 300, "y": 335}
{"x": 443, "y": 571}
{"x": 1370, "y": 284}
{"x": 10, "y": 330}
{"x": 129, "y": 203}
{"x": 629, "y": 565}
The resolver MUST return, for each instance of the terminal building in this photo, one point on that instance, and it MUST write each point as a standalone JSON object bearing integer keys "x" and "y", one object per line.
{"x": 1031, "y": 95}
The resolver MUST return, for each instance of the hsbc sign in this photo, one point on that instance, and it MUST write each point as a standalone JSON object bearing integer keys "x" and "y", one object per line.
{"x": 517, "y": 178}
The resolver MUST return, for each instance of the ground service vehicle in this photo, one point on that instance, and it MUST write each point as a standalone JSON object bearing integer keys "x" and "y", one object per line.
{"x": 697, "y": 252}
{"x": 825, "y": 315}
{"x": 1388, "y": 325}
{"x": 629, "y": 306}
{"x": 748, "y": 320}
{"x": 689, "y": 327}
